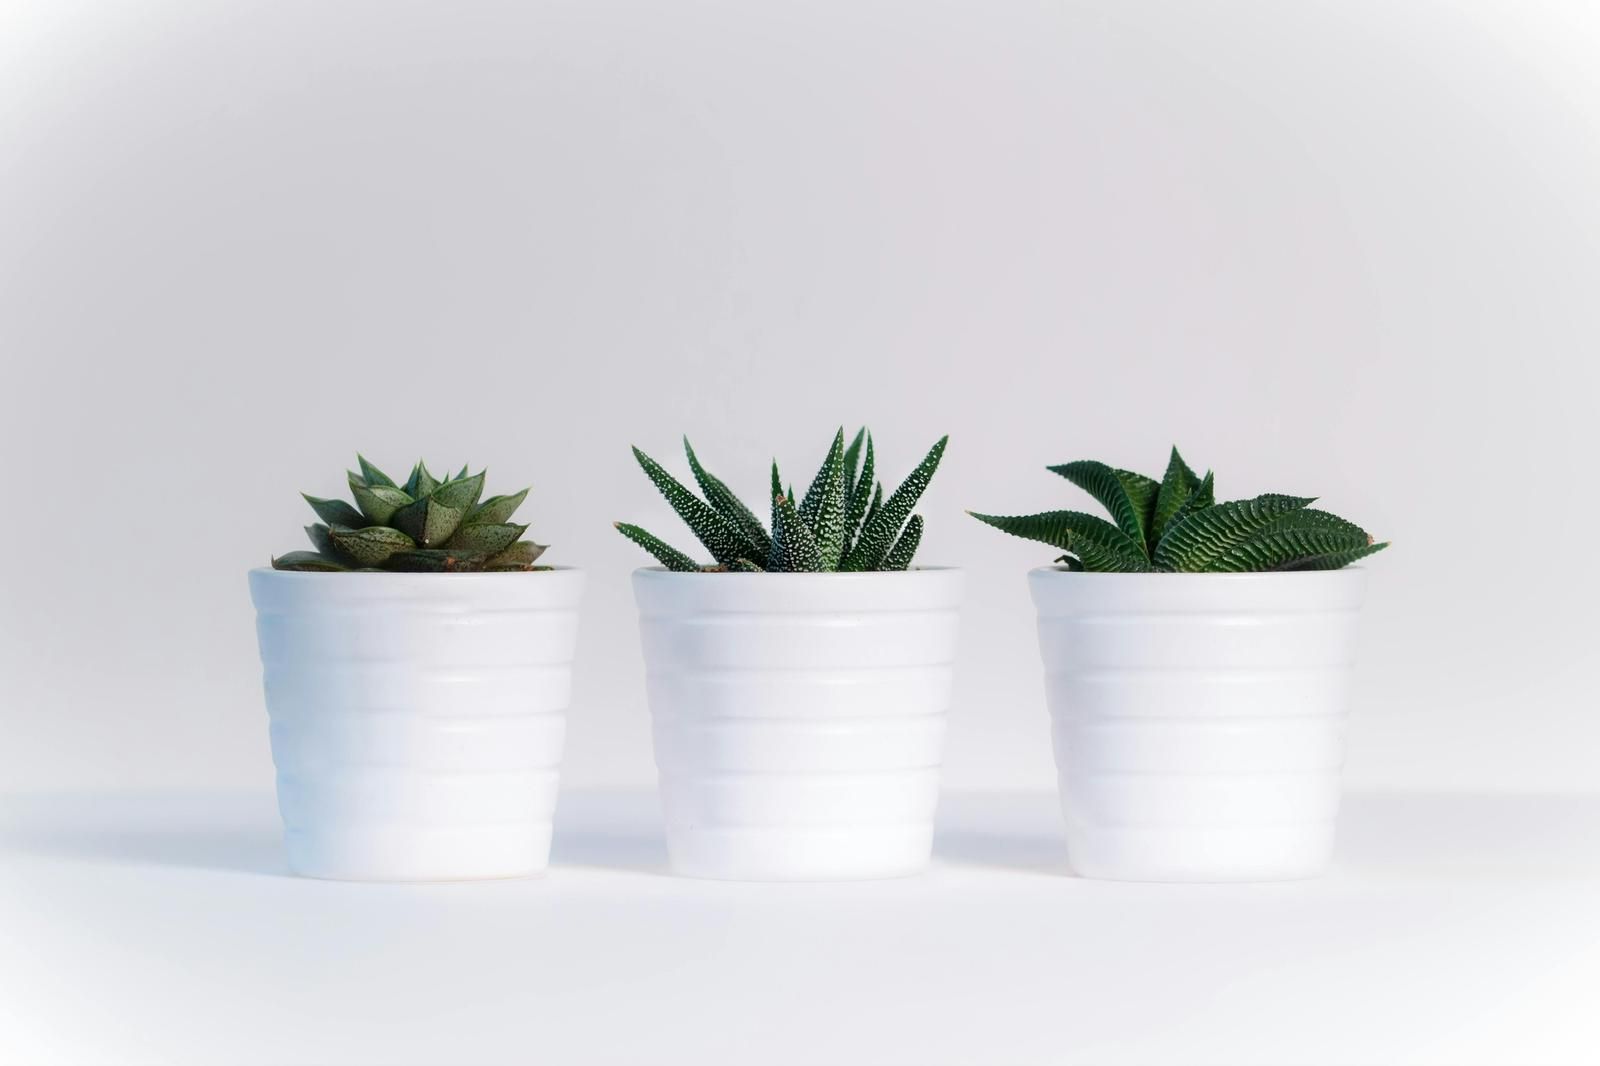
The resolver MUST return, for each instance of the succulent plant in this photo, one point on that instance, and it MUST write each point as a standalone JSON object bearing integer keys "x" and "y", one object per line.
{"x": 426, "y": 525}
{"x": 1176, "y": 525}
{"x": 843, "y": 523}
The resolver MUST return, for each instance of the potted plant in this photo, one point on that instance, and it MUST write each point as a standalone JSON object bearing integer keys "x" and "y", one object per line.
{"x": 798, "y": 684}
{"x": 417, "y": 667}
{"x": 1197, "y": 662}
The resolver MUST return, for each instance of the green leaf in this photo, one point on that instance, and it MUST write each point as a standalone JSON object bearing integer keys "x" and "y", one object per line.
{"x": 852, "y": 460}
{"x": 460, "y": 473}
{"x": 307, "y": 561}
{"x": 745, "y": 566}
{"x": 794, "y": 546}
{"x": 420, "y": 483}
{"x": 461, "y": 494}
{"x": 491, "y": 538}
{"x": 1293, "y": 538}
{"x": 318, "y": 535}
{"x": 1128, "y": 496}
{"x": 519, "y": 556}
{"x": 1335, "y": 560}
{"x": 497, "y": 508}
{"x": 372, "y": 475}
{"x": 378, "y": 502}
{"x": 336, "y": 512}
{"x": 862, "y": 495}
{"x": 369, "y": 546}
{"x": 1177, "y": 486}
{"x": 720, "y": 536}
{"x": 729, "y": 506}
{"x": 777, "y": 490}
{"x": 428, "y": 521}
{"x": 879, "y": 531}
{"x": 1201, "y": 498}
{"x": 900, "y": 555}
{"x": 1198, "y": 540}
{"x": 669, "y": 557}
{"x": 436, "y": 561}
{"x": 1098, "y": 544}
{"x": 822, "y": 510}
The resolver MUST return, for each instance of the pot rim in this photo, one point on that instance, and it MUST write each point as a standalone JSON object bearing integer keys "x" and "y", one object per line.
{"x": 318, "y": 575}
{"x": 661, "y": 572}
{"x": 1238, "y": 577}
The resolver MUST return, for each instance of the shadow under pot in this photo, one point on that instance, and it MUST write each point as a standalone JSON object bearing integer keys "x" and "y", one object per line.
{"x": 799, "y": 719}
{"x": 1199, "y": 719}
{"x": 417, "y": 720}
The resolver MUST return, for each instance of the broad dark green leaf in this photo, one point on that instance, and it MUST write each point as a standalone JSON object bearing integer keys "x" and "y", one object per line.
{"x": 372, "y": 475}
{"x": 307, "y": 561}
{"x": 318, "y": 536}
{"x": 378, "y": 502}
{"x": 427, "y": 521}
{"x": 1177, "y": 486}
{"x": 498, "y": 508}
{"x": 1198, "y": 540}
{"x": 519, "y": 556}
{"x": 436, "y": 561}
{"x": 491, "y": 538}
{"x": 370, "y": 545}
{"x": 336, "y": 512}
{"x": 420, "y": 483}
{"x": 460, "y": 494}
{"x": 1098, "y": 544}
{"x": 1128, "y": 496}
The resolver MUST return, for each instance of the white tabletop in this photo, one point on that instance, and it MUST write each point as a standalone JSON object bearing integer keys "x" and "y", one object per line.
{"x": 1455, "y": 928}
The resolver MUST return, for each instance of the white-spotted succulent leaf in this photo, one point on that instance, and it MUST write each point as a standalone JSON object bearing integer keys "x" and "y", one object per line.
{"x": 822, "y": 509}
{"x": 841, "y": 523}
{"x": 731, "y": 507}
{"x": 670, "y": 557}
{"x": 720, "y": 536}
{"x": 426, "y": 526}
{"x": 882, "y": 528}
{"x": 1176, "y": 525}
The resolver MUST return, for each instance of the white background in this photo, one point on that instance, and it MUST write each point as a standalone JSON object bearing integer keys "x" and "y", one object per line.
{"x": 1335, "y": 249}
{"x": 1344, "y": 249}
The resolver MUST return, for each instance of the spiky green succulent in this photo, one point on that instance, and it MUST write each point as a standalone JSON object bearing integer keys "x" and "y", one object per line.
{"x": 1176, "y": 525}
{"x": 842, "y": 523}
{"x": 428, "y": 524}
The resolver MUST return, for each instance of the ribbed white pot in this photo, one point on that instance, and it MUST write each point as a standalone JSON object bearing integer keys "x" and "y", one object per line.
{"x": 1198, "y": 719}
{"x": 799, "y": 718}
{"x": 417, "y": 719}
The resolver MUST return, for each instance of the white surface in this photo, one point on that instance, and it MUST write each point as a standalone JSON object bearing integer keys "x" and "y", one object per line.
{"x": 417, "y": 719}
{"x": 1453, "y": 929}
{"x": 799, "y": 719}
{"x": 1198, "y": 720}
{"x": 1346, "y": 249}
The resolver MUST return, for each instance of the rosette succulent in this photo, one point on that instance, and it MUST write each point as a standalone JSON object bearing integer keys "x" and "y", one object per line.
{"x": 842, "y": 523}
{"x": 1176, "y": 525}
{"x": 427, "y": 524}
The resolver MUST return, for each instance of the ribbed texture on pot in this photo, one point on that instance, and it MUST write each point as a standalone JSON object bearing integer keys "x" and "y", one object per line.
{"x": 417, "y": 720}
{"x": 1198, "y": 719}
{"x": 799, "y": 718}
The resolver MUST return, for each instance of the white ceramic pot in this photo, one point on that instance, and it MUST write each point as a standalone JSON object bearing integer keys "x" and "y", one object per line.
{"x": 799, "y": 718}
{"x": 1198, "y": 719}
{"x": 417, "y": 719}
